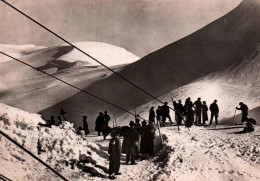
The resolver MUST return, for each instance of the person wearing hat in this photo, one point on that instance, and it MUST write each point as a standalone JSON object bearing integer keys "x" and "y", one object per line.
{"x": 85, "y": 125}
{"x": 114, "y": 151}
{"x": 214, "y": 112}
{"x": 99, "y": 123}
{"x": 244, "y": 109}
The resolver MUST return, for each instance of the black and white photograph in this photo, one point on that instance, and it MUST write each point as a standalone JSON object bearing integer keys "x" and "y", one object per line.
{"x": 130, "y": 90}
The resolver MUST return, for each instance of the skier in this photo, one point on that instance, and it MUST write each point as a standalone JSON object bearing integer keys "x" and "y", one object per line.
{"x": 158, "y": 114}
{"x": 99, "y": 123}
{"x": 198, "y": 106}
{"x": 214, "y": 112}
{"x": 165, "y": 113}
{"x": 132, "y": 144}
{"x": 204, "y": 112}
{"x": 114, "y": 152}
{"x": 152, "y": 115}
{"x": 244, "y": 110}
{"x": 85, "y": 125}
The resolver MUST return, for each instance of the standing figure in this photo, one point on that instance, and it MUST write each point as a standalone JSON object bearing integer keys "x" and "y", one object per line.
{"x": 114, "y": 152}
{"x": 204, "y": 112}
{"x": 158, "y": 115}
{"x": 106, "y": 119}
{"x": 85, "y": 125}
{"x": 244, "y": 110}
{"x": 52, "y": 121}
{"x": 198, "y": 106}
{"x": 166, "y": 113}
{"x": 187, "y": 106}
{"x": 214, "y": 112}
{"x": 99, "y": 123}
{"x": 59, "y": 120}
{"x": 179, "y": 111}
{"x": 152, "y": 115}
{"x": 132, "y": 144}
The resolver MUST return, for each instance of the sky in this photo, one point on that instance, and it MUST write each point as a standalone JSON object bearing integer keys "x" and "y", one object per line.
{"x": 140, "y": 26}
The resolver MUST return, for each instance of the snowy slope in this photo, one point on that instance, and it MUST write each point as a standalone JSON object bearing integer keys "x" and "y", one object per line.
{"x": 103, "y": 52}
{"x": 17, "y": 51}
{"x": 219, "y": 46}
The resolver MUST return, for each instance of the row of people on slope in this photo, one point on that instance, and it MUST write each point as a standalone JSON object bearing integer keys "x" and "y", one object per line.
{"x": 191, "y": 112}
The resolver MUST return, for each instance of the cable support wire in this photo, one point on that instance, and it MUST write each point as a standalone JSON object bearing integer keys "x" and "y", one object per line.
{"x": 32, "y": 155}
{"x": 118, "y": 107}
{"x": 55, "y": 34}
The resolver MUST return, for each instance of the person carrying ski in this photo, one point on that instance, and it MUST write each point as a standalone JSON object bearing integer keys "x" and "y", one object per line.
{"x": 244, "y": 109}
{"x": 214, "y": 112}
{"x": 114, "y": 151}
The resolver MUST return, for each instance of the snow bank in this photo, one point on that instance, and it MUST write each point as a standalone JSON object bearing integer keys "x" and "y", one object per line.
{"x": 58, "y": 146}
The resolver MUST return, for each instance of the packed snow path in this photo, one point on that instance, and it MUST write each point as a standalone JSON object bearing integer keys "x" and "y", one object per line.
{"x": 200, "y": 154}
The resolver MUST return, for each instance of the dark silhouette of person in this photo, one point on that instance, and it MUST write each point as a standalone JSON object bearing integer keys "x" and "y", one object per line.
{"x": 214, "y": 112}
{"x": 198, "y": 107}
{"x": 99, "y": 123}
{"x": 179, "y": 112}
{"x": 114, "y": 151}
{"x": 52, "y": 121}
{"x": 204, "y": 112}
{"x": 158, "y": 115}
{"x": 106, "y": 118}
{"x": 137, "y": 125}
{"x": 189, "y": 118}
{"x": 188, "y": 105}
{"x": 142, "y": 142}
{"x": 59, "y": 120}
{"x": 165, "y": 110}
{"x": 85, "y": 125}
{"x": 132, "y": 143}
{"x": 152, "y": 114}
{"x": 244, "y": 109}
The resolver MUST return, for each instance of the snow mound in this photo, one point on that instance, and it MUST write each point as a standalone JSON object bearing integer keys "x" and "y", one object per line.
{"x": 58, "y": 146}
{"x": 17, "y": 51}
{"x": 107, "y": 54}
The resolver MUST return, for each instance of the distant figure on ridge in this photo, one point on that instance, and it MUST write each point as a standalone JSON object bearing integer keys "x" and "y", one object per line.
{"x": 244, "y": 109}
{"x": 214, "y": 112}
{"x": 205, "y": 112}
{"x": 152, "y": 115}
{"x": 99, "y": 123}
{"x": 198, "y": 106}
{"x": 114, "y": 152}
{"x": 85, "y": 125}
{"x": 165, "y": 110}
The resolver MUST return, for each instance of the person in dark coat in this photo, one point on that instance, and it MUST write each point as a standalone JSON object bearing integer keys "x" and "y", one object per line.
{"x": 198, "y": 107}
{"x": 190, "y": 118}
{"x": 179, "y": 112}
{"x": 244, "y": 109}
{"x": 165, "y": 110}
{"x": 152, "y": 115}
{"x": 114, "y": 151}
{"x": 99, "y": 123}
{"x": 52, "y": 121}
{"x": 158, "y": 115}
{"x": 85, "y": 125}
{"x": 187, "y": 106}
{"x": 106, "y": 118}
{"x": 204, "y": 112}
{"x": 214, "y": 112}
{"x": 132, "y": 141}
{"x": 137, "y": 125}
